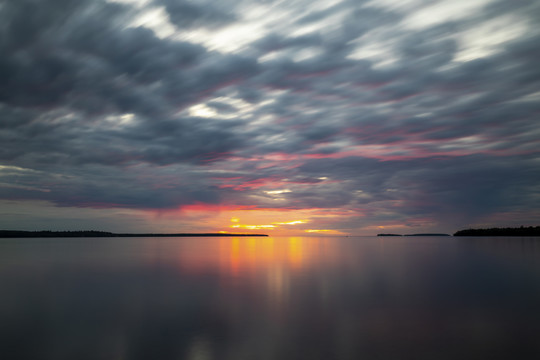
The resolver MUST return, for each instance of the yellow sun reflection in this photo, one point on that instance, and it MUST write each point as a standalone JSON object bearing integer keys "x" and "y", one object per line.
{"x": 236, "y": 255}
{"x": 263, "y": 253}
{"x": 296, "y": 251}
{"x": 270, "y": 261}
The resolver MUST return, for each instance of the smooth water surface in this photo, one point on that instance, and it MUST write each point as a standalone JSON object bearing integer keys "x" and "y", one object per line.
{"x": 270, "y": 298}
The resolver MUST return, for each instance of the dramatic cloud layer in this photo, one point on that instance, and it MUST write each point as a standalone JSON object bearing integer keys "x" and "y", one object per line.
{"x": 289, "y": 116}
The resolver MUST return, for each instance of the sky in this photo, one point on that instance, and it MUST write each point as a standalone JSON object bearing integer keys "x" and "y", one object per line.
{"x": 297, "y": 117}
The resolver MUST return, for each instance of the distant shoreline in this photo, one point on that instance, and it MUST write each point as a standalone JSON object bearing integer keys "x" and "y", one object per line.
{"x": 423, "y": 234}
{"x": 514, "y": 231}
{"x": 77, "y": 234}
{"x": 520, "y": 231}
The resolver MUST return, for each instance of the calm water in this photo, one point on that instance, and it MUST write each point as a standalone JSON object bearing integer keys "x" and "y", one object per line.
{"x": 270, "y": 298}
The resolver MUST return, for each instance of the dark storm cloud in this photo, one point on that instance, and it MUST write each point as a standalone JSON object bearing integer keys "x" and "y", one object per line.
{"x": 195, "y": 14}
{"x": 163, "y": 142}
{"x": 451, "y": 190}
{"x": 78, "y": 60}
{"x": 221, "y": 107}
{"x": 105, "y": 186}
{"x": 80, "y": 88}
{"x": 274, "y": 42}
{"x": 465, "y": 99}
{"x": 350, "y": 106}
{"x": 86, "y": 59}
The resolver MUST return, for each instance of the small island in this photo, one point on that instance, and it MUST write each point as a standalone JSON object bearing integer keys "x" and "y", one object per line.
{"x": 427, "y": 234}
{"x": 93, "y": 233}
{"x": 520, "y": 231}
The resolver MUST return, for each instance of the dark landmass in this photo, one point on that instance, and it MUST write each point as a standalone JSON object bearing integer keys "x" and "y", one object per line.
{"x": 427, "y": 234}
{"x": 520, "y": 231}
{"x": 93, "y": 233}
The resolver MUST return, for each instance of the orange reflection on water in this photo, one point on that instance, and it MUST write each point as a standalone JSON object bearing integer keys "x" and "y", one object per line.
{"x": 261, "y": 253}
{"x": 269, "y": 264}
{"x": 273, "y": 262}
{"x": 296, "y": 251}
{"x": 250, "y": 253}
{"x": 247, "y": 254}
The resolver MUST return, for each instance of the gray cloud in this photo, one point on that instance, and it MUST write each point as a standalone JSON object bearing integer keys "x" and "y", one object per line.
{"x": 85, "y": 66}
{"x": 95, "y": 112}
{"x": 187, "y": 14}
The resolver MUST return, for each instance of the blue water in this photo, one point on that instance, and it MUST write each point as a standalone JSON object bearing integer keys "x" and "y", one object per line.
{"x": 270, "y": 298}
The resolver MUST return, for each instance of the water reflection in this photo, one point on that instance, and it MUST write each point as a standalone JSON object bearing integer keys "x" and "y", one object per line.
{"x": 269, "y": 298}
{"x": 240, "y": 254}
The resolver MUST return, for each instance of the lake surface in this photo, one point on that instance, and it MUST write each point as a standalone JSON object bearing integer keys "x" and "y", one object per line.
{"x": 270, "y": 298}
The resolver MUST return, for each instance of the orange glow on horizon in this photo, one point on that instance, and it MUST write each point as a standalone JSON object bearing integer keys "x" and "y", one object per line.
{"x": 253, "y": 227}
{"x": 246, "y": 219}
{"x": 295, "y": 222}
{"x": 272, "y": 226}
{"x": 325, "y": 231}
